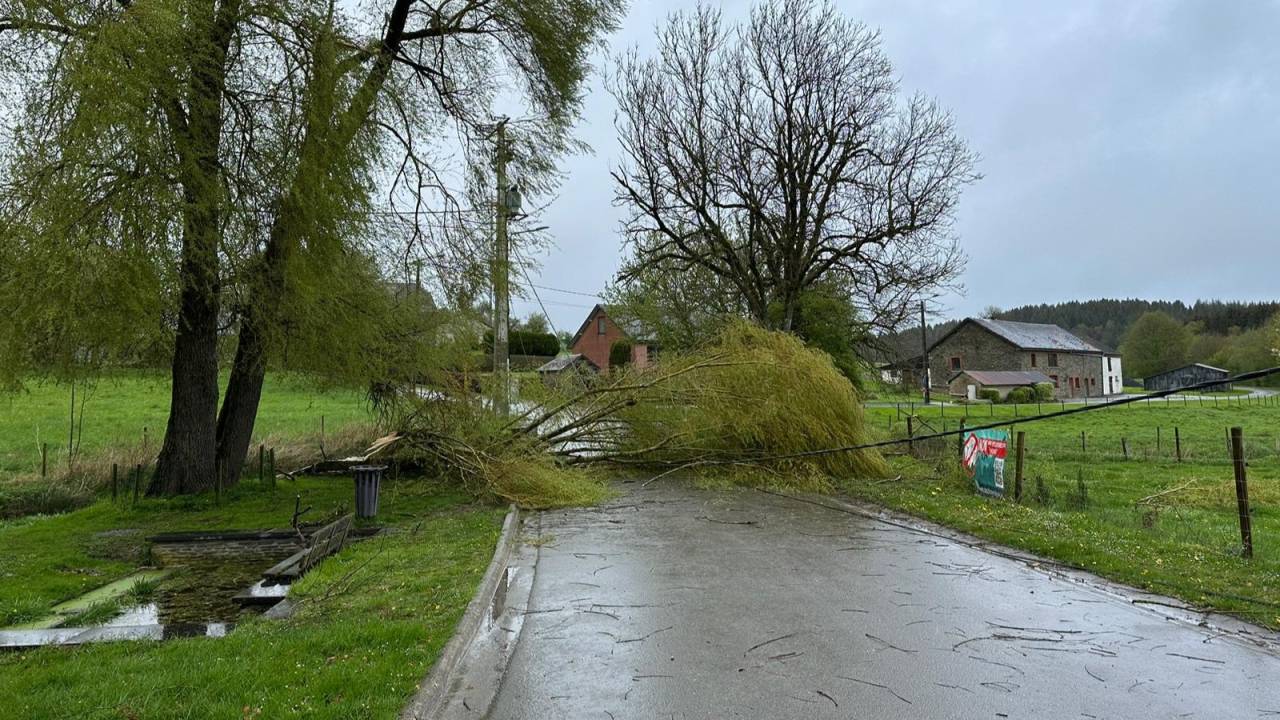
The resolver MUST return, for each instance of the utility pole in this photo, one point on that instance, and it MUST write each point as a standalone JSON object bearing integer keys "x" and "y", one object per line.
{"x": 924, "y": 352}
{"x": 501, "y": 281}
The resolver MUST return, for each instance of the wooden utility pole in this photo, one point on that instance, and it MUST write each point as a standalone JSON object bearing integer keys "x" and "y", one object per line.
{"x": 501, "y": 280}
{"x": 924, "y": 353}
{"x": 1242, "y": 491}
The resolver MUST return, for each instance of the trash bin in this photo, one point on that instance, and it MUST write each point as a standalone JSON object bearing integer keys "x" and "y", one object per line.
{"x": 368, "y": 478}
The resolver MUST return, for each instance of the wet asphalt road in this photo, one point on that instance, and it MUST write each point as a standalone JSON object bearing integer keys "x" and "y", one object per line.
{"x": 677, "y": 603}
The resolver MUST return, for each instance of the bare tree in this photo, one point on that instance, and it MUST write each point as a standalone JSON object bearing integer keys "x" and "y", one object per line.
{"x": 778, "y": 154}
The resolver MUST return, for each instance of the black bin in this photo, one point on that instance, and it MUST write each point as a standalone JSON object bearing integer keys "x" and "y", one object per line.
{"x": 368, "y": 477}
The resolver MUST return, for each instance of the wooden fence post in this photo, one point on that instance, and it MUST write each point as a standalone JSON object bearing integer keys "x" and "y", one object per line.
{"x": 44, "y": 459}
{"x": 1157, "y": 439}
{"x": 1084, "y": 447}
{"x": 115, "y": 481}
{"x": 1177, "y": 443}
{"x": 262, "y": 459}
{"x": 1242, "y": 491}
{"x": 1017, "y": 467}
{"x": 1124, "y": 447}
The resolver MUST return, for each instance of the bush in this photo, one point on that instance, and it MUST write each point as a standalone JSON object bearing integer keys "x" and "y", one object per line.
{"x": 1044, "y": 392}
{"x": 620, "y": 353}
{"x": 523, "y": 342}
{"x": 989, "y": 394}
{"x": 1020, "y": 395}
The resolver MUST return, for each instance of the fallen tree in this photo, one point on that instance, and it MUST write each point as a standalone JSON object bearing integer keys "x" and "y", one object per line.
{"x": 742, "y": 409}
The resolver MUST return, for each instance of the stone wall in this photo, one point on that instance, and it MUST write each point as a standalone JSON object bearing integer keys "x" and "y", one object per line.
{"x": 980, "y": 349}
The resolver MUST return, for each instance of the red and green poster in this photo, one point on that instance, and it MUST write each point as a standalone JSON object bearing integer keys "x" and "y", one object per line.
{"x": 984, "y": 454}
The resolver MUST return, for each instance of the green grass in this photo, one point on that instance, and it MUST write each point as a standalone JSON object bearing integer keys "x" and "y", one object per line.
{"x": 1185, "y": 543}
{"x": 127, "y": 406}
{"x": 50, "y": 559}
{"x": 372, "y": 619}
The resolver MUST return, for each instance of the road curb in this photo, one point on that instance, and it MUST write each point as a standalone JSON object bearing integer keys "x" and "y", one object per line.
{"x": 1170, "y": 608}
{"x": 488, "y": 603}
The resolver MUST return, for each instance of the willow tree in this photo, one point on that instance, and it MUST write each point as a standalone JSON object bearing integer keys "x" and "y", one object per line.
{"x": 172, "y": 151}
{"x": 777, "y": 154}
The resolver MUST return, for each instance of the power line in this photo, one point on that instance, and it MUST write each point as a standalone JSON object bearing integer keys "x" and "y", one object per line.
{"x": 562, "y": 290}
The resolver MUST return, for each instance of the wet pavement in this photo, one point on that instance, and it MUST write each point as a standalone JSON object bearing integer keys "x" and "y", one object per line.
{"x": 677, "y": 603}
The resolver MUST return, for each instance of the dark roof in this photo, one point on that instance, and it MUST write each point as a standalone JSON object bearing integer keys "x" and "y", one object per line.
{"x": 633, "y": 328}
{"x": 561, "y": 363}
{"x": 1005, "y": 377}
{"x": 1027, "y": 336}
{"x": 1199, "y": 365}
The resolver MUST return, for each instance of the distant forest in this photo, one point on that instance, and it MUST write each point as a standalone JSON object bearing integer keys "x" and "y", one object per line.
{"x": 1238, "y": 336}
{"x": 1105, "y": 322}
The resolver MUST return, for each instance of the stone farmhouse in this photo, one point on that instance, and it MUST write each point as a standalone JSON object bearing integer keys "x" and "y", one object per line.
{"x": 1076, "y": 368}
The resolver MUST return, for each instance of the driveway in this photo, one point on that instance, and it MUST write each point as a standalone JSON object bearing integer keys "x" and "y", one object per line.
{"x": 676, "y": 603}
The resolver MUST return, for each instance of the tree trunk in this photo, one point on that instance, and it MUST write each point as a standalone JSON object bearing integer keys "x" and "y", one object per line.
{"x": 259, "y": 319}
{"x": 240, "y": 405}
{"x": 187, "y": 457}
{"x": 186, "y": 460}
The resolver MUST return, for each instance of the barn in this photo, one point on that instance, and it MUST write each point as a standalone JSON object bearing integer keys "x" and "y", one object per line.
{"x": 1188, "y": 375}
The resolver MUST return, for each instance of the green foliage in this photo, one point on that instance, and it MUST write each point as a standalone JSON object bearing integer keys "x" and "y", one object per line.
{"x": 1043, "y": 392}
{"x": 1020, "y": 395}
{"x": 989, "y": 394}
{"x": 620, "y": 353}
{"x": 1154, "y": 344}
{"x": 527, "y": 342}
{"x": 750, "y": 405}
{"x": 827, "y": 319}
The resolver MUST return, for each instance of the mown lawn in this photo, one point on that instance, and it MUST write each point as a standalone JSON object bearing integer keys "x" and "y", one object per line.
{"x": 130, "y": 407}
{"x": 371, "y": 622}
{"x": 1184, "y": 542}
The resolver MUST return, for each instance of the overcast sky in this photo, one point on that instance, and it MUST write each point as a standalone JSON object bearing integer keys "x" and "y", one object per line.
{"x": 1129, "y": 148}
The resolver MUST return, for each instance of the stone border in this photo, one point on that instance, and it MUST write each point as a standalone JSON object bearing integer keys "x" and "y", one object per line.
{"x": 432, "y": 695}
{"x": 1169, "y": 608}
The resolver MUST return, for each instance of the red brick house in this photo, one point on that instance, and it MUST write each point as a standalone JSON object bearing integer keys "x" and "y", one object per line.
{"x": 598, "y": 334}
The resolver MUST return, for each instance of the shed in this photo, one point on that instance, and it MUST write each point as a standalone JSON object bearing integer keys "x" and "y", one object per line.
{"x": 1002, "y": 381}
{"x": 566, "y": 366}
{"x": 1188, "y": 375}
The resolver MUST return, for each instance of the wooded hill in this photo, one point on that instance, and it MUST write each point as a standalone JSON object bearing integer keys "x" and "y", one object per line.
{"x": 1239, "y": 336}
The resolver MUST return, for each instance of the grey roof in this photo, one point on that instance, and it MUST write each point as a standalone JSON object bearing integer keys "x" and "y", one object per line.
{"x": 1036, "y": 336}
{"x": 561, "y": 363}
{"x": 1005, "y": 377}
{"x": 1199, "y": 365}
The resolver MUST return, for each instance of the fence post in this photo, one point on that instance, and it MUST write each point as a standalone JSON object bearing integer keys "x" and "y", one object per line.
{"x": 960, "y": 443}
{"x": 1124, "y": 447}
{"x": 115, "y": 481}
{"x": 1084, "y": 447}
{"x": 1157, "y": 439}
{"x": 1242, "y": 491}
{"x": 271, "y": 457}
{"x": 1017, "y": 467}
{"x": 911, "y": 444}
{"x": 1177, "y": 443}
{"x": 262, "y": 457}
{"x": 44, "y": 459}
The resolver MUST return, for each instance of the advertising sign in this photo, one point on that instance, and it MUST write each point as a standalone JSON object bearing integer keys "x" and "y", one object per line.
{"x": 984, "y": 454}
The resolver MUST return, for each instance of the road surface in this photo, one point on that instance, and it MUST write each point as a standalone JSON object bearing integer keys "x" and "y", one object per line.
{"x": 676, "y": 603}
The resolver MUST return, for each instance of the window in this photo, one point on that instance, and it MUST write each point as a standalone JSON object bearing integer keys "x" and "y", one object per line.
{"x": 1108, "y": 363}
{"x": 600, "y": 326}
{"x": 1076, "y": 380}
{"x": 1054, "y": 378}
{"x": 1093, "y": 382}
{"x": 1053, "y": 359}
{"x": 955, "y": 363}
{"x": 1033, "y": 359}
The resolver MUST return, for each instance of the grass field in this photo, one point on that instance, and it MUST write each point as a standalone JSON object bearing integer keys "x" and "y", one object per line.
{"x": 1185, "y": 541}
{"x": 371, "y": 622}
{"x": 132, "y": 407}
